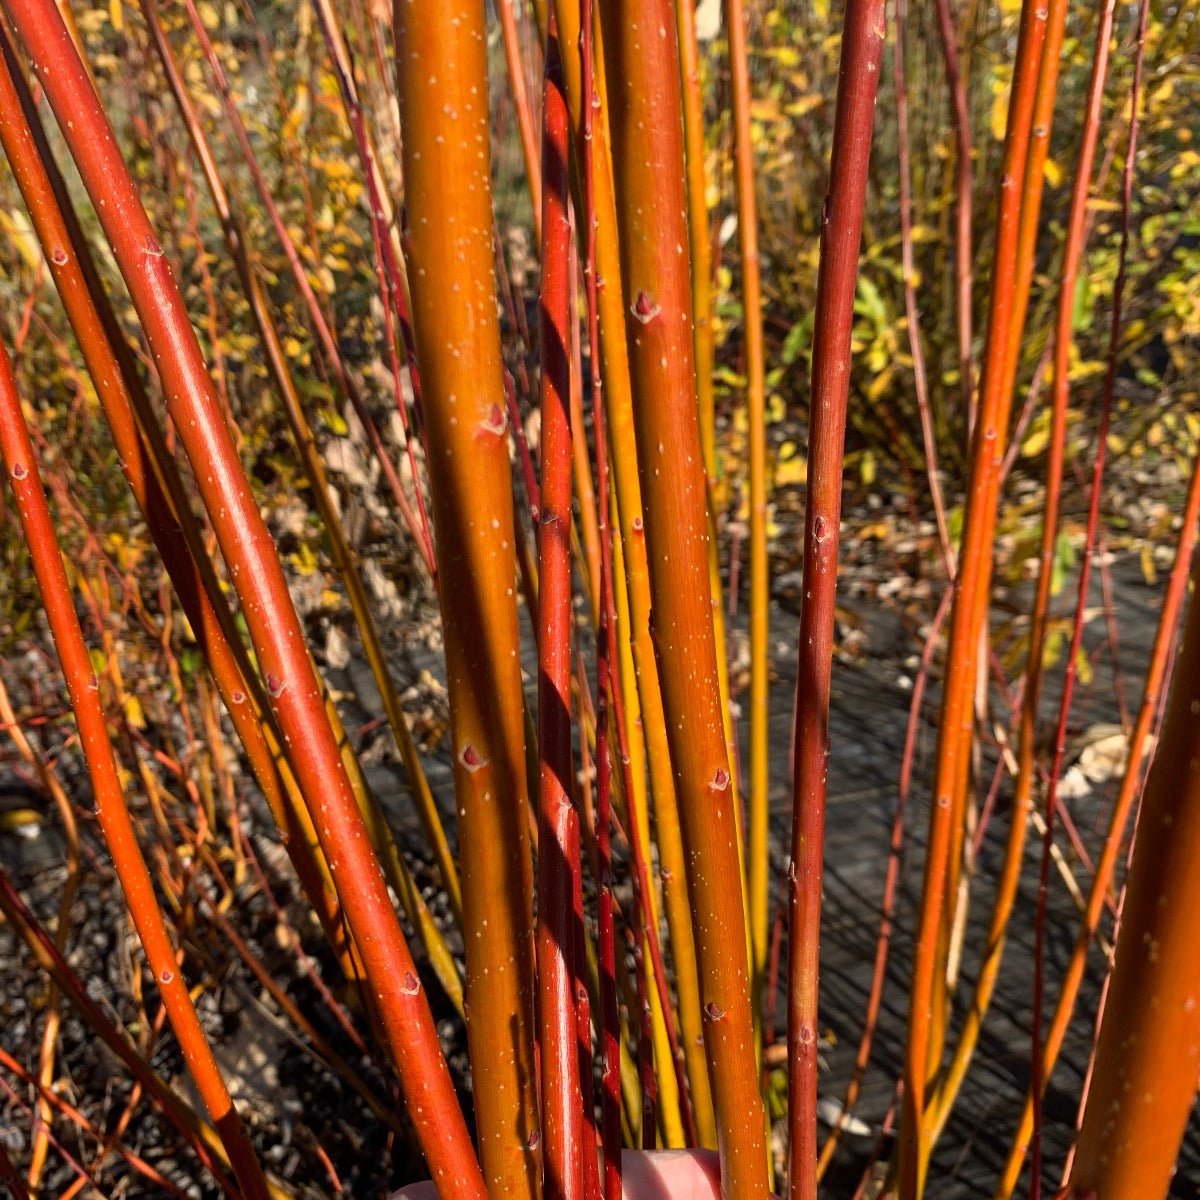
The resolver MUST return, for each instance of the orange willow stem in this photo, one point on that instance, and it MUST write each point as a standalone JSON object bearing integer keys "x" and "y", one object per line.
{"x": 1127, "y": 1156}
{"x": 972, "y": 584}
{"x": 641, "y": 53}
{"x": 1010, "y": 871}
{"x": 291, "y": 681}
{"x": 863, "y": 36}
{"x": 1032, "y": 185}
{"x": 558, "y": 840}
{"x": 1144, "y": 1080}
{"x": 590, "y": 121}
{"x": 442, "y": 75}
{"x": 758, "y": 858}
{"x": 115, "y": 821}
{"x": 151, "y": 473}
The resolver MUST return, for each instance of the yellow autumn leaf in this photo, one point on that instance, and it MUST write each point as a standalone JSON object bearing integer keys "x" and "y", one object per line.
{"x": 1149, "y": 571}
{"x": 790, "y": 471}
{"x": 19, "y": 230}
{"x": 134, "y": 713}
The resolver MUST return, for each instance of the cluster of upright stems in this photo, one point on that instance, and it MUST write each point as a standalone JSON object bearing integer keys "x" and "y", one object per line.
{"x": 595, "y": 1029}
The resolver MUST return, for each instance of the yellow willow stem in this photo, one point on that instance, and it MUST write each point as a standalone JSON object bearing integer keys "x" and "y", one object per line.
{"x": 619, "y": 409}
{"x": 698, "y": 244}
{"x": 641, "y": 52}
{"x": 698, "y": 233}
{"x": 637, "y": 809}
{"x": 758, "y": 855}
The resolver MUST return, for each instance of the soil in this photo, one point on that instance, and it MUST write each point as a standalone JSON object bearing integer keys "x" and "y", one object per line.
{"x": 290, "y": 1099}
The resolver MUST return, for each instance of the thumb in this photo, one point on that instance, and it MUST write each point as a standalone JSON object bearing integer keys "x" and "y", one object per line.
{"x": 646, "y": 1175}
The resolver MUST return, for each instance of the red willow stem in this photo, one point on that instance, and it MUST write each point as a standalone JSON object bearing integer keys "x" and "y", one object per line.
{"x": 563, "y": 1143}
{"x": 891, "y": 880}
{"x": 316, "y": 315}
{"x": 610, "y": 1027}
{"x": 863, "y": 36}
{"x": 964, "y": 199}
{"x": 291, "y": 681}
{"x": 908, "y": 267}
{"x": 115, "y": 821}
{"x": 11, "y": 1176}
{"x": 391, "y": 281}
{"x": 534, "y": 170}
